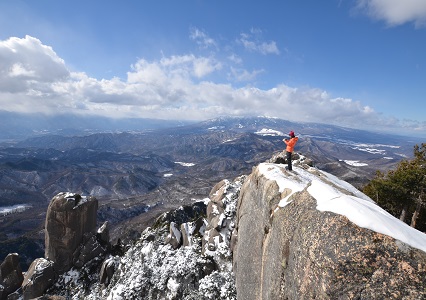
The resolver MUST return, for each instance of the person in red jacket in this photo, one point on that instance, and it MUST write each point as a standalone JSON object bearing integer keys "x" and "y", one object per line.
{"x": 290, "y": 147}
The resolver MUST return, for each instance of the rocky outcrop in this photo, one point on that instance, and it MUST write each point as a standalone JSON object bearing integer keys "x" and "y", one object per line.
{"x": 221, "y": 211}
{"x": 170, "y": 260}
{"x": 292, "y": 250}
{"x": 153, "y": 267}
{"x": 38, "y": 278}
{"x": 297, "y": 159}
{"x": 184, "y": 224}
{"x": 190, "y": 229}
{"x": 72, "y": 241}
{"x": 70, "y": 221}
{"x": 215, "y": 228}
{"x": 175, "y": 236}
{"x": 103, "y": 234}
{"x": 107, "y": 270}
{"x": 10, "y": 275}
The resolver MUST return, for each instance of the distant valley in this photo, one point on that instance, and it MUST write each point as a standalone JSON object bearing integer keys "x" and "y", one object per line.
{"x": 137, "y": 175}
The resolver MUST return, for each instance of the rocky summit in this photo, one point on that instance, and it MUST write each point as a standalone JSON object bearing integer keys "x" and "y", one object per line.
{"x": 304, "y": 234}
{"x": 274, "y": 234}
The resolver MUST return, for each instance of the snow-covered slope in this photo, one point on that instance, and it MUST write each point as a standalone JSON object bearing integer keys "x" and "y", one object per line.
{"x": 337, "y": 196}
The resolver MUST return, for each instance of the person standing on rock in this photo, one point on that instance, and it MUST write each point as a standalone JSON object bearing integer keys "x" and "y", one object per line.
{"x": 290, "y": 147}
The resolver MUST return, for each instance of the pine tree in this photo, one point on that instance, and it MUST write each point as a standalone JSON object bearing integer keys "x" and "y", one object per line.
{"x": 420, "y": 176}
{"x": 402, "y": 191}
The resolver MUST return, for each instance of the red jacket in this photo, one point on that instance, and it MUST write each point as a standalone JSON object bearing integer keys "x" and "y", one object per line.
{"x": 291, "y": 143}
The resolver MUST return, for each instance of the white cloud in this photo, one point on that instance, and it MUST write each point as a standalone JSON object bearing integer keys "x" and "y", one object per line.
{"x": 253, "y": 42}
{"x": 396, "y": 12}
{"x": 18, "y": 70}
{"x": 201, "y": 38}
{"x": 243, "y": 75}
{"x": 269, "y": 48}
{"x": 173, "y": 88}
{"x": 235, "y": 59}
{"x": 204, "y": 66}
{"x": 27, "y": 64}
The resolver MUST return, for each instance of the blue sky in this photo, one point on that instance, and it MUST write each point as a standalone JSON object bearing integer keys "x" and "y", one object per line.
{"x": 355, "y": 63}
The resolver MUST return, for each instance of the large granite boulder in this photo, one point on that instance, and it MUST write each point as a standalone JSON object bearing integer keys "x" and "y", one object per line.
{"x": 39, "y": 277}
{"x": 70, "y": 219}
{"x": 299, "y": 252}
{"x": 11, "y": 276}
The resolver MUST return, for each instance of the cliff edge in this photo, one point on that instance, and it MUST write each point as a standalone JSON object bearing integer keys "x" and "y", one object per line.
{"x": 305, "y": 234}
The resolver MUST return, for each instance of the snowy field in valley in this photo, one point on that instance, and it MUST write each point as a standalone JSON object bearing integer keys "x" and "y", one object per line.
{"x": 355, "y": 163}
{"x": 7, "y": 210}
{"x": 185, "y": 164}
{"x": 269, "y": 132}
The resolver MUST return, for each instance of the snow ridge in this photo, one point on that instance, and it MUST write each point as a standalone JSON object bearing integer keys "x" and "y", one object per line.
{"x": 338, "y": 196}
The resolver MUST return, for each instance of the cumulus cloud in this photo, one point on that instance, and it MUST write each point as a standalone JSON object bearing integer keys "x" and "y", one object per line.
{"x": 396, "y": 12}
{"x": 175, "y": 87}
{"x": 27, "y": 64}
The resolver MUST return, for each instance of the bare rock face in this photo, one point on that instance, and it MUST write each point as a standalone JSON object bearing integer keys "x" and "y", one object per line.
{"x": 299, "y": 252}
{"x": 175, "y": 236}
{"x": 218, "y": 191}
{"x": 70, "y": 222}
{"x": 107, "y": 270}
{"x": 89, "y": 249}
{"x": 10, "y": 275}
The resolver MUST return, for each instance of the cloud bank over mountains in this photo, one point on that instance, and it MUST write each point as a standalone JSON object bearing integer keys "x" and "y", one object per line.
{"x": 34, "y": 79}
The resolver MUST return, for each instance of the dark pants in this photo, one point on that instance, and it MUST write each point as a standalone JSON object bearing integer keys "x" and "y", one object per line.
{"x": 289, "y": 161}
